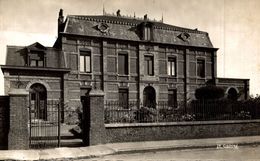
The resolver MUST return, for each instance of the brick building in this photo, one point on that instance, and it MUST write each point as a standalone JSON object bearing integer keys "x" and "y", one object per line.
{"x": 129, "y": 58}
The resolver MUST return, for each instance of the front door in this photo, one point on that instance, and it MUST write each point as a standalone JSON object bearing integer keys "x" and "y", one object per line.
{"x": 38, "y": 100}
{"x": 149, "y": 97}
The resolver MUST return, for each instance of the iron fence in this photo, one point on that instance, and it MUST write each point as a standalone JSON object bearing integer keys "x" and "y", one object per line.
{"x": 116, "y": 112}
{"x": 45, "y": 131}
{"x": 136, "y": 112}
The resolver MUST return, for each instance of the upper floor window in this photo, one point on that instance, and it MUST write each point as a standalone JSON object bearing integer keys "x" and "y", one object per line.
{"x": 148, "y": 65}
{"x": 36, "y": 60}
{"x": 122, "y": 64}
{"x": 171, "y": 66}
{"x": 85, "y": 61}
{"x": 201, "y": 68}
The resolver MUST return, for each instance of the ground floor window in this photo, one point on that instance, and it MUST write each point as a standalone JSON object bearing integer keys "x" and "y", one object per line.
{"x": 172, "y": 98}
{"x": 123, "y": 98}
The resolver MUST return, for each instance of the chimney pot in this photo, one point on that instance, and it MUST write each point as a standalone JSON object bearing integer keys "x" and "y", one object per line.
{"x": 145, "y": 17}
{"x": 118, "y": 13}
{"x": 61, "y": 13}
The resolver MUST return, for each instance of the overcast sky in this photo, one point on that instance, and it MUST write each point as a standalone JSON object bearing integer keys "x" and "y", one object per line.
{"x": 233, "y": 26}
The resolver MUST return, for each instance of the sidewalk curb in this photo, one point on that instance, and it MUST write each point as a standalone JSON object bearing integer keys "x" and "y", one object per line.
{"x": 130, "y": 151}
{"x": 112, "y": 149}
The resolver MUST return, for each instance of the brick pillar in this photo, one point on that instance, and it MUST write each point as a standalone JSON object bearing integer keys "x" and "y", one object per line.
{"x": 94, "y": 127}
{"x": 18, "y": 137}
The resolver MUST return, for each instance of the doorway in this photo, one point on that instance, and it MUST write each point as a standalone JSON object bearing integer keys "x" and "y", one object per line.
{"x": 149, "y": 97}
{"x": 38, "y": 101}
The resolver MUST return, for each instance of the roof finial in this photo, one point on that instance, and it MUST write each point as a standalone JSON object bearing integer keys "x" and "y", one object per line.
{"x": 104, "y": 12}
{"x": 162, "y": 17}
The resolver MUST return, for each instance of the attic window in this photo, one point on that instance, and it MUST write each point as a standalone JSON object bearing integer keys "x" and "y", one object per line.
{"x": 103, "y": 27}
{"x": 184, "y": 36}
{"x": 36, "y": 60}
{"x": 147, "y": 33}
{"x": 146, "y": 29}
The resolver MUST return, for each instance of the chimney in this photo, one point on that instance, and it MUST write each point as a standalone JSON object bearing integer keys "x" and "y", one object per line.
{"x": 60, "y": 21}
{"x": 145, "y": 17}
{"x": 118, "y": 13}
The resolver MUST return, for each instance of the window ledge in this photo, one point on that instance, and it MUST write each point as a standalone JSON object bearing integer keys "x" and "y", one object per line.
{"x": 122, "y": 75}
{"x": 202, "y": 78}
{"x": 171, "y": 76}
{"x": 84, "y": 73}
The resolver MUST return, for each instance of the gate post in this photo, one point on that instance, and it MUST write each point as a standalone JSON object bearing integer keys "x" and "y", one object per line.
{"x": 94, "y": 126}
{"x": 18, "y": 136}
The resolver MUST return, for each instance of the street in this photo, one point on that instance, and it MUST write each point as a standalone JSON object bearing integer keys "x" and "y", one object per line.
{"x": 222, "y": 152}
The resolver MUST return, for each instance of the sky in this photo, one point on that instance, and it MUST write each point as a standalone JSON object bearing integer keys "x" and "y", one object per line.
{"x": 233, "y": 26}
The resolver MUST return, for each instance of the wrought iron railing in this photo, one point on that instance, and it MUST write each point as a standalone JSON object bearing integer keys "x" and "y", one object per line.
{"x": 136, "y": 112}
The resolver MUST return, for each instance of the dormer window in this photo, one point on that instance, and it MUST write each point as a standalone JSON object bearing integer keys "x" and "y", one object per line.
{"x": 36, "y": 55}
{"x": 36, "y": 60}
{"x": 147, "y": 33}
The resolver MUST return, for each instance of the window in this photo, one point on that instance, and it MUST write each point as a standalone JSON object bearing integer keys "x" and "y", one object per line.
{"x": 147, "y": 33}
{"x": 122, "y": 64}
{"x": 123, "y": 98}
{"x": 172, "y": 98}
{"x": 171, "y": 66}
{"x": 85, "y": 62}
{"x": 148, "y": 65}
{"x": 36, "y": 60}
{"x": 201, "y": 68}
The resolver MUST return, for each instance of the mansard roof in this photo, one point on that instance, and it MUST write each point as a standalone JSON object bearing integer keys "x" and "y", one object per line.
{"x": 127, "y": 29}
{"x": 17, "y": 55}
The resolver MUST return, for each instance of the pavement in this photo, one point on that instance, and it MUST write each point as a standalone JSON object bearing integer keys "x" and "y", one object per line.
{"x": 127, "y": 147}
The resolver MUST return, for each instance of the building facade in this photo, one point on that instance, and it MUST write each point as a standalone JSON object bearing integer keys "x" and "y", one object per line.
{"x": 129, "y": 58}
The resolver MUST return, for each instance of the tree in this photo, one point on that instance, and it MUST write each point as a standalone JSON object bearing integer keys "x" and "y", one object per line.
{"x": 209, "y": 92}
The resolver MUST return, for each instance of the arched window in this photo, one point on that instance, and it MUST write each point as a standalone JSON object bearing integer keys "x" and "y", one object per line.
{"x": 38, "y": 101}
{"x": 232, "y": 94}
{"x": 149, "y": 97}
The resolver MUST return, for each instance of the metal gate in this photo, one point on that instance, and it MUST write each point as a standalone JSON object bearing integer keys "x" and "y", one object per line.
{"x": 45, "y": 126}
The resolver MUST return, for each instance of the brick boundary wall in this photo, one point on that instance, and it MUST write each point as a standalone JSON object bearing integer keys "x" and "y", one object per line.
{"x": 18, "y": 136}
{"x": 180, "y": 130}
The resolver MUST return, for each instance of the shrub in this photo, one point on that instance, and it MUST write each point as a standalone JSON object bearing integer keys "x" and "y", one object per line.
{"x": 188, "y": 117}
{"x": 144, "y": 114}
{"x": 209, "y": 92}
{"x": 243, "y": 115}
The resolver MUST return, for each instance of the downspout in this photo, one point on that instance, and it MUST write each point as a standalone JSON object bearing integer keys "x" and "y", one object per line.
{"x": 185, "y": 80}
{"x": 214, "y": 67}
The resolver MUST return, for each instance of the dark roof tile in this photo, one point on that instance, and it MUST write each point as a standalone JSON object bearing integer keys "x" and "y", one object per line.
{"x": 125, "y": 28}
